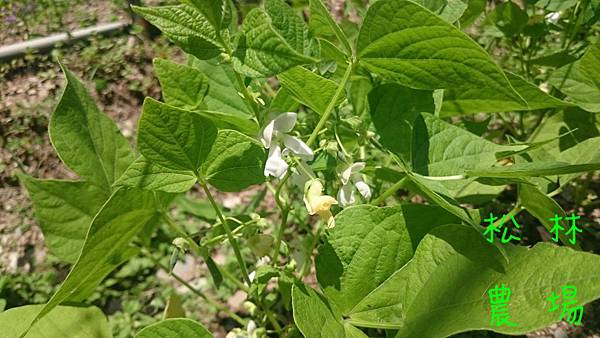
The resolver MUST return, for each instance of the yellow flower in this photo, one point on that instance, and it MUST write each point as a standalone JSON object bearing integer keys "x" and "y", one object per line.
{"x": 317, "y": 203}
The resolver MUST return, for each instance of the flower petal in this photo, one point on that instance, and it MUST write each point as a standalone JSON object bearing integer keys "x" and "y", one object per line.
{"x": 346, "y": 195}
{"x": 298, "y": 147}
{"x": 285, "y": 122}
{"x": 266, "y": 135}
{"x": 363, "y": 189}
{"x": 354, "y": 168}
{"x": 275, "y": 165}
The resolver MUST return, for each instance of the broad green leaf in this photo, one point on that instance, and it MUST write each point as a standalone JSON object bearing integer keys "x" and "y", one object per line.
{"x": 182, "y": 86}
{"x": 174, "y": 307}
{"x": 438, "y": 194}
{"x": 509, "y": 18}
{"x": 580, "y": 80}
{"x": 65, "y": 210}
{"x": 447, "y": 280}
{"x": 584, "y": 153}
{"x": 144, "y": 174}
{"x": 556, "y": 5}
{"x": 368, "y": 244}
{"x": 64, "y": 321}
{"x": 106, "y": 244}
{"x": 473, "y": 11}
{"x": 272, "y": 40}
{"x": 394, "y": 109}
{"x": 542, "y": 207}
{"x": 243, "y": 124}
{"x": 176, "y": 327}
{"x": 542, "y": 168}
{"x": 186, "y": 27}
{"x": 222, "y": 94}
{"x": 467, "y": 102}
{"x": 430, "y": 145}
{"x": 314, "y": 317}
{"x": 321, "y": 24}
{"x": 174, "y": 138}
{"x": 86, "y": 140}
{"x": 564, "y": 129}
{"x": 310, "y": 89}
{"x": 235, "y": 162}
{"x": 283, "y": 101}
{"x": 406, "y": 43}
{"x": 212, "y": 10}
{"x": 449, "y": 10}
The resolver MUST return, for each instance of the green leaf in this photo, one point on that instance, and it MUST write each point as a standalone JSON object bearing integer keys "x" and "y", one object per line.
{"x": 393, "y": 110}
{"x": 509, "y": 18}
{"x": 212, "y": 10}
{"x": 65, "y": 210}
{"x": 404, "y": 42}
{"x": 449, "y": 10}
{"x": 174, "y": 308}
{"x": 64, "y": 321}
{"x": 86, "y": 140}
{"x": 448, "y": 281}
{"x": 235, "y": 162}
{"x": 222, "y": 94}
{"x": 243, "y": 124}
{"x": 283, "y": 101}
{"x": 176, "y": 327}
{"x": 583, "y": 153}
{"x": 106, "y": 244}
{"x": 272, "y": 40}
{"x": 368, "y": 244}
{"x": 543, "y": 168}
{"x": 310, "y": 89}
{"x": 314, "y": 318}
{"x": 562, "y": 131}
{"x": 186, "y": 27}
{"x": 321, "y": 24}
{"x": 144, "y": 174}
{"x": 437, "y": 193}
{"x": 580, "y": 80}
{"x": 542, "y": 207}
{"x": 174, "y": 138}
{"x": 182, "y": 86}
{"x": 430, "y": 145}
{"x": 472, "y": 13}
{"x": 467, "y": 102}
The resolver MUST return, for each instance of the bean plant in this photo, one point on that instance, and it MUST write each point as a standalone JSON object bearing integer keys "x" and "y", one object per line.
{"x": 363, "y": 148}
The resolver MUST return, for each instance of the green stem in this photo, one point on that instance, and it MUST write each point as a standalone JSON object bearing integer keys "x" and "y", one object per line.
{"x": 390, "y": 191}
{"x": 197, "y": 292}
{"x": 284, "y": 216}
{"x": 250, "y": 102}
{"x": 270, "y": 317}
{"x": 331, "y": 105}
{"x": 232, "y": 240}
{"x": 181, "y": 233}
{"x": 198, "y": 252}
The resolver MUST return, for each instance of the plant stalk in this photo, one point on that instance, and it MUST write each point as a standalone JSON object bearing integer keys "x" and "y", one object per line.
{"x": 331, "y": 105}
{"x": 232, "y": 240}
{"x": 284, "y": 216}
{"x": 197, "y": 292}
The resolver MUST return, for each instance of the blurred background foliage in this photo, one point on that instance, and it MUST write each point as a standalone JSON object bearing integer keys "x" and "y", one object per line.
{"x": 527, "y": 37}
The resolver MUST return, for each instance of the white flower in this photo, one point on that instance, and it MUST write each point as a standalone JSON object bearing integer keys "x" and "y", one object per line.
{"x": 352, "y": 179}
{"x": 275, "y": 138}
{"x": 317, "y": 203}
{"x": 552, "y": 17}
